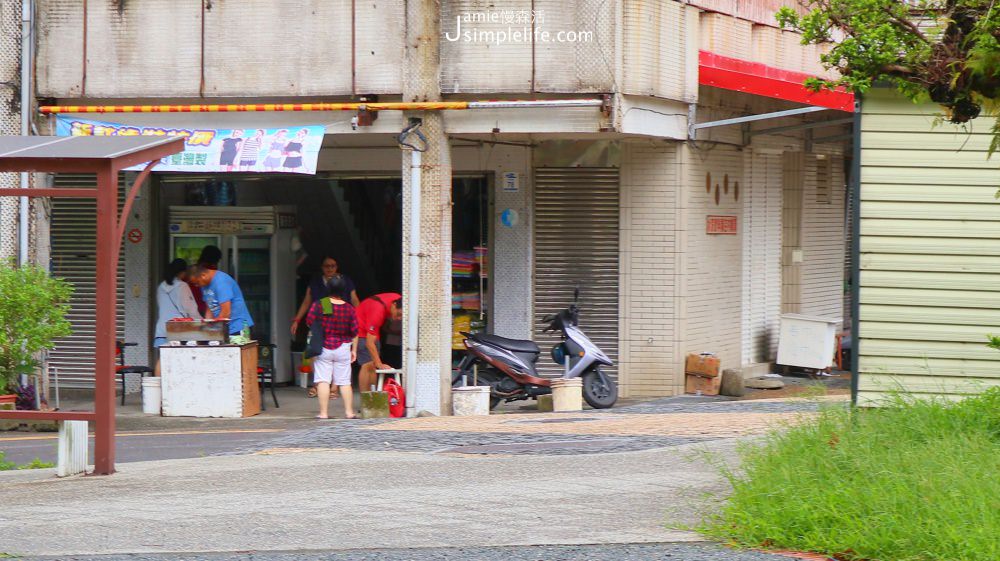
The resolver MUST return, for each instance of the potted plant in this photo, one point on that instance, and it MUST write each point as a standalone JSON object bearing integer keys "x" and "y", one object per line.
{"x": 33, "y": 307}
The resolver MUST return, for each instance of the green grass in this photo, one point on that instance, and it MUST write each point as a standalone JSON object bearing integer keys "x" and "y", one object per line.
{"x": 915, "y": 481}
{"x": 34, "y": 464}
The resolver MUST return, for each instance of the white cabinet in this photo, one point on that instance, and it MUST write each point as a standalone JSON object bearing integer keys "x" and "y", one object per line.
{"x": 807, "y": 341}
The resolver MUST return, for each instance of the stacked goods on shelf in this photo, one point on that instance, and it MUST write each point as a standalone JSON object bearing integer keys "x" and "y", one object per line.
{"x": 466, "y": 301}
{"x": 463, "y": 264}
{"x": 467, "y": 295}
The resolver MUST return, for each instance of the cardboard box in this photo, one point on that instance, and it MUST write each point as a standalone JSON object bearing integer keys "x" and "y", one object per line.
{"x": 706, "y": 366}
{"x": 702, "y": 385}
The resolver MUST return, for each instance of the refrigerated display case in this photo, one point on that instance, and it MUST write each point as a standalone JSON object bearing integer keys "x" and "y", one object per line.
{"x": 251, "y": 240}
{"x": 188, "y": 246}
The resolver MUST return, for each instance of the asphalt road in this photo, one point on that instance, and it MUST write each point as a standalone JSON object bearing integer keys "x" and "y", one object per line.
{"x": 140, "y": 446}
{"x": 618, "y": 552}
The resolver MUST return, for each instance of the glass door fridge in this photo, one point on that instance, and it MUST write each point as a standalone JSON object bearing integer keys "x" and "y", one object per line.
{"x": 188, "y": 246}
{"x": 252, "y": 267}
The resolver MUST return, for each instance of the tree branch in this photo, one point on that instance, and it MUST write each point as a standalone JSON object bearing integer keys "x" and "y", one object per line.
{"x": 896, "y": 70}
{"x": 906, "y": 25}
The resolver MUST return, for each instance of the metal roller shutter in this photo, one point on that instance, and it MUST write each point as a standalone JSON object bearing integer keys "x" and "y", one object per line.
{"x": 576, "y": 243}
{"x": 74, "y": 239}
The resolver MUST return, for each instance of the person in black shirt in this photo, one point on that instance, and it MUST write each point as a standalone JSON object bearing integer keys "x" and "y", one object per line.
{"x": 319, "y": 289}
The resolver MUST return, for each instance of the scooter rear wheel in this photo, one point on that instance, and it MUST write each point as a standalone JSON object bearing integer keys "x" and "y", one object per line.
{"x": 598, "y": 394}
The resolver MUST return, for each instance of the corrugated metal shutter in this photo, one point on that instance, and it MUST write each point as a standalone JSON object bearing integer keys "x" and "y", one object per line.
{"x": 576, "y": 242}
{"x": 762, "y": 236}
{"x": 74, "y": 258}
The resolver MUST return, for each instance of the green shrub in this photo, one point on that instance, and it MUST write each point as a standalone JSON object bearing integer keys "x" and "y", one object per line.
{"x": 33, "y": 306}
{"x": 918, "y": 480}
{"x": 33, "y": 464}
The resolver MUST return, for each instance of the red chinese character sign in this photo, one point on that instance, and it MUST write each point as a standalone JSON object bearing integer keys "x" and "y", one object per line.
{"x": 720, "y": 224}
{"x": 277, "y": 150}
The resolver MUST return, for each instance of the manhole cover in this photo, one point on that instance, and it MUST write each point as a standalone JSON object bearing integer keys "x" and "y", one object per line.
{"x": 546, "y": 421}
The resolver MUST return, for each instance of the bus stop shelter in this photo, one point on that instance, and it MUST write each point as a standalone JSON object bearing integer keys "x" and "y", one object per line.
{"x": 104, "y": 156}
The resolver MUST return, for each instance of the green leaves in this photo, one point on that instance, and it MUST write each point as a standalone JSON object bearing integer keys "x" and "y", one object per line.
{"x": 947, "y": 51}
{"x": 33, "y": 306}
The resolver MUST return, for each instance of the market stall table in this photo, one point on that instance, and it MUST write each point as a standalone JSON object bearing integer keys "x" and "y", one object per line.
{"x": 210, "y": 380}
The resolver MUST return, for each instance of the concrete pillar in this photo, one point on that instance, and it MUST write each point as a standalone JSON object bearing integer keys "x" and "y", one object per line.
{"x": 10, "y": 118}
{"x": 431, "y": 375}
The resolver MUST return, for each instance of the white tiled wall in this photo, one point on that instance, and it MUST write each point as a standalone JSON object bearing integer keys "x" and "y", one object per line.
{"x": 650, "y": 213}
{"x": 713, "y": 263}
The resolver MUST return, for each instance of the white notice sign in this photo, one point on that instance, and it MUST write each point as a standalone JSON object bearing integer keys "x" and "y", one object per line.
{"x": 511, "y": 182}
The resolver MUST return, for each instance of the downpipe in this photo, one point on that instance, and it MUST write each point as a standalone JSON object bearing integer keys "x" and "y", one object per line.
{"x": 24, "y": 209}
{"x": 413, "y": 289}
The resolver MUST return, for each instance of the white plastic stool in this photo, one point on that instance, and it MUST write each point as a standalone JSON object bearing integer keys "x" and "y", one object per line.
{"x": 388, "y": 372}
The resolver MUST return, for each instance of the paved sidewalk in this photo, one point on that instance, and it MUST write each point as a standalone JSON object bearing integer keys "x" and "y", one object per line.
{"x": 614, "y": 552}
{"x": 357, "y": 499}
{"x": 424, "y": 483}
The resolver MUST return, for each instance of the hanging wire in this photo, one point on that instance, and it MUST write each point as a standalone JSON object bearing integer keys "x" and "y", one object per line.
{"x": 413, "y": 128}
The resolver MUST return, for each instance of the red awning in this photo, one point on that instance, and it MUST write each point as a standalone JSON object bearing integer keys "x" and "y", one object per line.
{"x": 760, "y": 79}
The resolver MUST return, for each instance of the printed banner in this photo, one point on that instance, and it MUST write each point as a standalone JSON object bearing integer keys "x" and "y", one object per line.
{"x": 278, "y": 150}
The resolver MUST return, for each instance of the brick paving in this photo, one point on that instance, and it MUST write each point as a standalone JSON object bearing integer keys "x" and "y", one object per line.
{"x": 715, "y": 425}
{"x": 656, "y": 424}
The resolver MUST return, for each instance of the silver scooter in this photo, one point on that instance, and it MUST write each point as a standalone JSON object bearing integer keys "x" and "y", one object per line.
{"x": 508, "y": 365}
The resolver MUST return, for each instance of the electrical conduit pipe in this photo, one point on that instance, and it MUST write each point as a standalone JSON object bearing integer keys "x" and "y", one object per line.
{"x": 412, "y": 304}
{"x": 24, "y": 210}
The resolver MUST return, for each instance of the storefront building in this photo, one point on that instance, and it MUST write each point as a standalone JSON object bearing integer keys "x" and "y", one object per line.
{"x": 681, "y": 239}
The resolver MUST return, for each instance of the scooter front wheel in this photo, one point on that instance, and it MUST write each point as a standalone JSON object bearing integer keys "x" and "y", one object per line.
{"x": 599, "y": 391}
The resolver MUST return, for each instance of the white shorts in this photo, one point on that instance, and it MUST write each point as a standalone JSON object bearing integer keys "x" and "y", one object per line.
{"x": 333, "y": 365}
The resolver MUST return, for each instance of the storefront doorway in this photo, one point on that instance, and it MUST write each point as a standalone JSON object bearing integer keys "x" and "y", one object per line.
{"x": 275, "y": 232}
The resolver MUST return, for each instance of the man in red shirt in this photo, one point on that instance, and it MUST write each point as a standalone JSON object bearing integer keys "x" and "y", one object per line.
{"x": 374, "y": 314}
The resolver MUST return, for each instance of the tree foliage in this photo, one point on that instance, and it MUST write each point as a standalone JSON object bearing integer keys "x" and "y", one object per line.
{"x": 944, "y": 50}
{"x": 33, "y": 307}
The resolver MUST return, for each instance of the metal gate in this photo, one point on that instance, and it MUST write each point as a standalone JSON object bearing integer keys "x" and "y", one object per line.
{"x": 73, "y": 227}
{"x": 576, "y": 217}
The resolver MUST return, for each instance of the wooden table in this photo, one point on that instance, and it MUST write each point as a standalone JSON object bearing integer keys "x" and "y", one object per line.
{"x": 210, "y": 381}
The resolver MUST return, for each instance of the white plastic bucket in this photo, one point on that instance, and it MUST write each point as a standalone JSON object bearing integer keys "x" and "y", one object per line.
{"x": 567, "y": 394}
{"x": 470, "y": 400}
{"x": 152, "y": 395}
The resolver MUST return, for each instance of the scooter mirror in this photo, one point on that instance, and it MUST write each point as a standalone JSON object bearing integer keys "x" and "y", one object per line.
{"x": 576, "y": 294}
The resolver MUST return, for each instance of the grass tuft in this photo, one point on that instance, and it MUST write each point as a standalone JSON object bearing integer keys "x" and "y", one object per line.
{"x": 918, "y": 480}
{"x": 34, "y": 464}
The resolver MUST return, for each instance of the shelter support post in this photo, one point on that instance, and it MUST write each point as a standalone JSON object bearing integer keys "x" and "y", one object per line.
{"x": 104, "y": 376}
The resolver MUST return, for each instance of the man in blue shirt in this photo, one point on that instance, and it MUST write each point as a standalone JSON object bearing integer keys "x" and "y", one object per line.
{"x": 225, "y": 300}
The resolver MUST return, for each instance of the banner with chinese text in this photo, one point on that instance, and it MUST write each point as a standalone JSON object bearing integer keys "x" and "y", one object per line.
{"x": 276, "y": 150}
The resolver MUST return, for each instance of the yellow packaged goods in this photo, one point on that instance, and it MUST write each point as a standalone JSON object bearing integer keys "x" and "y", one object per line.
{"x": 460, "y": 323}
{"x": 705, "y": 365}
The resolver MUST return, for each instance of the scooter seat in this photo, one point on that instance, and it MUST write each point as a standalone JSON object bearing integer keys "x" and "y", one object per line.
{"x": 515, "y": 345}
